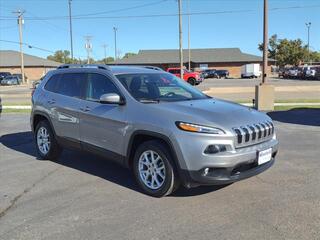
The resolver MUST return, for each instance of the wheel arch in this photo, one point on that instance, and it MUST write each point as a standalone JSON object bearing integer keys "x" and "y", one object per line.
{"x": 140, "y": 136}
{"x": 39, "y": 116}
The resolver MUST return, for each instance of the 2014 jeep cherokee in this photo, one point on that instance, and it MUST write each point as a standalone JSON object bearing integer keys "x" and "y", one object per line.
{"x": 162, "y": 128}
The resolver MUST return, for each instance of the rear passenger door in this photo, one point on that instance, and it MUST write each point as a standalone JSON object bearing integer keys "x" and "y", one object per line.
{"x": 102, "y": 126}
{"x": 64, "y": 104}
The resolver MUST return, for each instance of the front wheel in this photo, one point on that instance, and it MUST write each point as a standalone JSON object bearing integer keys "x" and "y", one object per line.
{"x": 153, "y": 169}
{"x": 192, "y": 81}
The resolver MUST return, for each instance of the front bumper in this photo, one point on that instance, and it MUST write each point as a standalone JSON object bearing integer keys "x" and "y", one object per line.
{"x": 226, "y": 167}
{"x": 221, "y": 176}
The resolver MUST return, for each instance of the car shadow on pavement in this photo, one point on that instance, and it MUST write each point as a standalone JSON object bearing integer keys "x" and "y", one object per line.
{"x": 89, "y": 163}
{"x": 302, "y": 116}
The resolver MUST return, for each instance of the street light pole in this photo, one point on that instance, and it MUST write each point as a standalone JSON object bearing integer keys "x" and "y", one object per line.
{"x": 115, "y": 42}
{"x": 308, "y": 26}
{"x": 265, "y": 42}
{"x": 180, "y": 40}
{"x": 70, "y": 29}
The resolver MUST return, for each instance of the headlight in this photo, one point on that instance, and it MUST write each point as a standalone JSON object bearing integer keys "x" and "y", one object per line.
{"x": 189, "y": 127}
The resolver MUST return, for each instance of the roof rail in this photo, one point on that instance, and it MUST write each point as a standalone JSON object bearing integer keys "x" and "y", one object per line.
{"x": 99, "y": 66}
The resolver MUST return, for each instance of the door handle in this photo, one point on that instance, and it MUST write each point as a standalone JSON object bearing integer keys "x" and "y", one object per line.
{"x": 52, "y": 101}
{"x": 85, "y": 109}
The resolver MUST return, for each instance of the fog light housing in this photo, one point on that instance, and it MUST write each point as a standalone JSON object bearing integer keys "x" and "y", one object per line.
{"x": 206, "y": 171}
{"x": 212, "y": 149}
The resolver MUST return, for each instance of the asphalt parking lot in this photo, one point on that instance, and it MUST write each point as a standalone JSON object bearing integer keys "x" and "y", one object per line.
{"x": 85, "y": 197}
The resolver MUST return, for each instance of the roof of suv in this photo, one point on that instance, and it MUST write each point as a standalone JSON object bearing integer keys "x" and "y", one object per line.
{"x": 114, "y": 69}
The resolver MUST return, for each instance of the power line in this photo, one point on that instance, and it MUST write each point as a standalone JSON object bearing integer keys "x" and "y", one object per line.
{"x": 122, "y": 9}
{"x": 163, "y": 15}
{"x": 28, "y": 45}
{"x": 34, "y": 47}
{"x": 110, "y": 11}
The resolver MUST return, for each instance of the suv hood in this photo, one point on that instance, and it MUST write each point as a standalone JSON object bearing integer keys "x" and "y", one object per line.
{"x": 213, "y": 112}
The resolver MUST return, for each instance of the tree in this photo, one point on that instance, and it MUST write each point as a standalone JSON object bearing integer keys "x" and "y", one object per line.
{"x": 62, "y": 56}
{"x": 291, "y": 52}
{"x": 272, "y": 46}
{"x": 315, "y": 56}
{"x": 129, "y": 54}
{"x": 286, "y": 52}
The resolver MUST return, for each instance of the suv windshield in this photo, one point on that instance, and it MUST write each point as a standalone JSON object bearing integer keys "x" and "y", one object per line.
{"x": 158, "y": 87}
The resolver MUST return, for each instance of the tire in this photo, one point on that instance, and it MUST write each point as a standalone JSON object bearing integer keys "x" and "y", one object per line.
{"x": 192, "y": 81}
{"x": 169, "y": 183}
{"x": 53, "y": 150}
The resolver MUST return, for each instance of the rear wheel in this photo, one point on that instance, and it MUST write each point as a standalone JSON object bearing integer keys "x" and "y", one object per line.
{"x": 192, "y": 81}
{"x": 46, "y": 144}
{"x": 153, "y": 169}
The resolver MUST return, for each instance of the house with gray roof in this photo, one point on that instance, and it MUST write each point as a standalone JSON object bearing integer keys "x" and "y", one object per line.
{"x": 215, "y": 58}
{"x": 35, "y": 67}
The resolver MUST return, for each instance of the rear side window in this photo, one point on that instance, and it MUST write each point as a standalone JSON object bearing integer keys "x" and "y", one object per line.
{"x": 52, "y": 83}
{"x": 98, "y": 85}
{"x": 71, "y": 84}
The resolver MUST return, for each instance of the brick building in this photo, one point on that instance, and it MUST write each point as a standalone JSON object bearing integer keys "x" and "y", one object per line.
{"x": 34, "y": 67}
{"x": 216, "y": 58}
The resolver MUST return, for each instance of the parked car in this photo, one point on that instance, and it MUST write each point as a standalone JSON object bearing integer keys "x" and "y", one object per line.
{"x": 317, "y": 73}
{"x": 282, "y": 73}
{"x": 19, "y": 76}
{"x": 10, "y": 80}
{"x": 210, "y": 73}
{"x": 250, "y": 70}
{"x": 221, "y": 73}
{"x": 4, "y": 74}
{"x": 295, "y": 73}
{"x": 309, "y": 72}
{"x": 166, "y": 131}
{"x": 193, "y": 78}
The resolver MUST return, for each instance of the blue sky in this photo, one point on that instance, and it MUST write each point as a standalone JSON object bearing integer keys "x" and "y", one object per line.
{"x": 237, "y": 29}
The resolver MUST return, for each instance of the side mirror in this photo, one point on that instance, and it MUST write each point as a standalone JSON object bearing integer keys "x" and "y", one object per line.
{"x": 111, "y": 98}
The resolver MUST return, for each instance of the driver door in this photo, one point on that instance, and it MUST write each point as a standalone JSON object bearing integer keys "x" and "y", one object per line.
{"x": 102, "y": 126}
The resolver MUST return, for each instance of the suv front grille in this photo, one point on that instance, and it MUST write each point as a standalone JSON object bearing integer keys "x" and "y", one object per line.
{"x": 253, "y": 133}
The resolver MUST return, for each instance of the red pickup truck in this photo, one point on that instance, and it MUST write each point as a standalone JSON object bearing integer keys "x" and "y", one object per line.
{"x": 193, "y": 78}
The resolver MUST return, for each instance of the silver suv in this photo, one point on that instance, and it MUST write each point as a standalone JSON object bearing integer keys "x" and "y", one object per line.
{"x": 152, "y": 122}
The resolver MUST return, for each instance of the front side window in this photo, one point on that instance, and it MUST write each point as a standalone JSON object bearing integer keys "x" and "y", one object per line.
{"x": 159, "y": 87}
{"x": 71, "y": 84}
{"x": 98, "y": 85}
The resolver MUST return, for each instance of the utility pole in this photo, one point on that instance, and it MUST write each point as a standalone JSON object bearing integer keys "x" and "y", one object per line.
{"x": 265, "y": 42}
{"x": 105, "y": 52}
{"x": 115, "y": 42}
{"x": 70, "y": 28}
{"x": 264, "y": 93}
{"x": 308, "y": 26}
{"x": 88, "y": 47}
{"x": 189, "y": 52}
{"x": 20, "y": 23}
{"x": 180, "y": 39}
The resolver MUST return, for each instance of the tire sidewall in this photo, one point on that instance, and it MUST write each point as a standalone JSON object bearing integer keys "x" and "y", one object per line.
{"x": 168, "y": 184}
